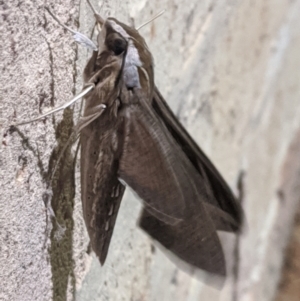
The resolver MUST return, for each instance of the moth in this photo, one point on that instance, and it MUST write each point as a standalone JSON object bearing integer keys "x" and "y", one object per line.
{"x": 130, "y": 136}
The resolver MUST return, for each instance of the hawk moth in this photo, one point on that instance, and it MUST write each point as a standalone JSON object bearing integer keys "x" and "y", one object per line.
{"x": 129, "y": 135}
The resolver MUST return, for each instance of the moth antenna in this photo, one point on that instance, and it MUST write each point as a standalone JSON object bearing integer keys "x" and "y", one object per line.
{"x": 70, "y": 140}
{"x": 99, "y": 19}
{"x": 80, "y": 95}
{"x": 92, "y": 7}
{"x": 155, "y": 17}
{"x": 58, "y": 21}
{"x": 78, "y": 37}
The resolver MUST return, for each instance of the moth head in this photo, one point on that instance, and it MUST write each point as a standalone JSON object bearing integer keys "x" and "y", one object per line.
{"x": 122, "y": 40}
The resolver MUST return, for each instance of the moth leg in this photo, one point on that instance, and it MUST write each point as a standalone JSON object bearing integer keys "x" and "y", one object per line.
{"x": 71, "y": 139}
{"x": 78, "y": 37}
{"x": 95, "y": 112}
{"x": 84, "y": 121}
{"x": 90, "y": 67}
{"x": 77, "y": 97}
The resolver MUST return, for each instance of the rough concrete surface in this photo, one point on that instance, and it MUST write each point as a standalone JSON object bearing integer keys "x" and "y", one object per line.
{"x": 230, "y": 70}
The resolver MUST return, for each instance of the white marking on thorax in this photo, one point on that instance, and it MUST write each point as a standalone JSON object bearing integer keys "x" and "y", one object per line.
{"x": 132, "y": 60}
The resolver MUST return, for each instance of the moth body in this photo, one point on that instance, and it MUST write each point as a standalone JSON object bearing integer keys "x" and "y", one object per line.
{"x": 138, "y": 140}
{"x": 128, "y": 134}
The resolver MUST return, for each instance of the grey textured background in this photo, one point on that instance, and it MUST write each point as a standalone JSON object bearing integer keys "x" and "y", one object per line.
{"x": 230, "y": 70}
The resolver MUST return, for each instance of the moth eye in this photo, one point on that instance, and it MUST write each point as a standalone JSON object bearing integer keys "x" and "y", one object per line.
{"x": 116, "y": 43}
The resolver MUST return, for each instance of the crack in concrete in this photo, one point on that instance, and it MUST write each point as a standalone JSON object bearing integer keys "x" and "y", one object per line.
{"x": 62, "y": 203}
{"x": 62, "y": 183}
{"x": 51, "y": 74}
{"x": 26, "y": 145}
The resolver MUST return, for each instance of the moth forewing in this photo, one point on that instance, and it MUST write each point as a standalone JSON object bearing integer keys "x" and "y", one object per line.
{"x": 101, "y": 145}
{"x": 218, "y": 192}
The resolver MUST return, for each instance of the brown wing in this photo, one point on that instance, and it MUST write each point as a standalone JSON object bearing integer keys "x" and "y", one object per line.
{"x": 220, "y": 194}
{"x": 175, "y": 213}
{"x": 192, "y": 240}
{"x": 101, "y": 190}
{"x": 101, "y": 145}
{"x": 152, "y": 165}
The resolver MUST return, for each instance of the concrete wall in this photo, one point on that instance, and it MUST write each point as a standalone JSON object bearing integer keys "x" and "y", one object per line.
{"x": 229, "y": 69}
